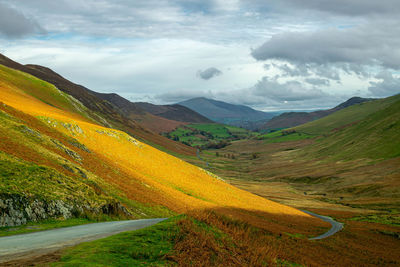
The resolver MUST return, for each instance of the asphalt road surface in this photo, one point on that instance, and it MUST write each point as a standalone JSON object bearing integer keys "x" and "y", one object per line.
{"x": 336, "y": 226}
{"x": 32, "y": 244}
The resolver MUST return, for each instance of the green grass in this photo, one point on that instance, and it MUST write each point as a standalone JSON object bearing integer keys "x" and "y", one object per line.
{"x": 42, "y": 90}
{"x": 346, "y": 116}
{"x": 392, "y": 218}
{"x": 376, "y": 136}
{"x": 280, "y": 136}
{"x": 296, "y": 235}
{"x": 44, "y": 225}
{"x": 144, "y": 247}
{"x": 29, "y": 179}
{"x": 217, "y": 130}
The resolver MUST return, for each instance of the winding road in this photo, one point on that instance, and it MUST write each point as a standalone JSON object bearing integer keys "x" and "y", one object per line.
{"x": 336, "y": 226}
{"x": 38, "y": 243}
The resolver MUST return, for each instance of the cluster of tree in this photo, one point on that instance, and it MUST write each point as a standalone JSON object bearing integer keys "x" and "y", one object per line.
{"x": 216, "y": 145}
{"x": 287, "y": 132}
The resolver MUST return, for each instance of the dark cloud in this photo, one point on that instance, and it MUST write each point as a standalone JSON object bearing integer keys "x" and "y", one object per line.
{"x": 369, "y": 44}
{"x": 349, "y": 8}
{"x": 287, "y": 91}
{"x": 14, "y": 24}
{"x": 346, "y": 7}
{"x": 388, "y": 85}
{"x": 318, "y": 81}
{"x": 208, "y": 73}
{"x": 298, "y": 70}
{"x": 181, "y": 95}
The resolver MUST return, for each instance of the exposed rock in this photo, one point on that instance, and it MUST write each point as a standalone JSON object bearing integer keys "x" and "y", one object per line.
{"x": 26, "y": 129}
{"x": 75, "y": 143}
{"x": 69, "y": 152}
{"x": 16, "y": 210}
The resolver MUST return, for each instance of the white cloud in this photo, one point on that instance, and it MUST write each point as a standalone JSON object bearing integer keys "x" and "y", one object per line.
{"x": 386, "y": 85}
{"x": 151, "y": 49}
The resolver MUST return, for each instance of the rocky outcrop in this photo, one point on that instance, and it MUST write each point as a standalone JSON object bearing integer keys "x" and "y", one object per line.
{"x": 16, "y": 210}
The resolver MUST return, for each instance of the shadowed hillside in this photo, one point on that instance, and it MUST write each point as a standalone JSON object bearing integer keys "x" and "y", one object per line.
{"x": 174, "y": 112}
{"x": 157, "y": 124}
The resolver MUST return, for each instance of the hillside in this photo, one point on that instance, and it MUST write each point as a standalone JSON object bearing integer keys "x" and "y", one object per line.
{"x": 345, "y": 165}
{"x": 174, "y": 112}
{"x": 346, "y": 117}
{"x": 101, "y": 111}
{"x": 349, "y": 158}
{"x": 57, "y": 162}
{"x": 292, "y": 119}
{"x": 86, "y": 162}
{"x": 351, "y": 131}
{"x": 236, "y": 115}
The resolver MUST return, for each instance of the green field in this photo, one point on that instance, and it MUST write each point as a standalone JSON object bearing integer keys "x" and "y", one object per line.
{"x": 206, "y": 135}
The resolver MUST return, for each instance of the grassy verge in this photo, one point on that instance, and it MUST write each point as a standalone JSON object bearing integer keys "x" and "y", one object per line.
{"x": 146, "y": 247}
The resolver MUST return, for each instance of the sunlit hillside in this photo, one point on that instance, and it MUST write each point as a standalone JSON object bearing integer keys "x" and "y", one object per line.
{"x": 349, "y": 133}
{"x": 120, "y": 166}
{"x": 127, "y": 118}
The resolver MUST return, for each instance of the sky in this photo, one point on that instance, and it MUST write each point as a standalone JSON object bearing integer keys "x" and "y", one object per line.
{"x": 270, "y": 55}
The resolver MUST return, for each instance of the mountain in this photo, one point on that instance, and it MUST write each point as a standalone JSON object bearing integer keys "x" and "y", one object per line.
{"x": 106, "y": 113}
{"x": 291, "y": 119}
{"x": 174, "y": 112}
{"x": 57, "y": 162}
{"x": 222, "y": 112}
{"x": 157, "y": 124}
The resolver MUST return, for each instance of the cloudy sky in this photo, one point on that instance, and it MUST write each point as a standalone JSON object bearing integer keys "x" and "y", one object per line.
{"x": 271, "y": 55}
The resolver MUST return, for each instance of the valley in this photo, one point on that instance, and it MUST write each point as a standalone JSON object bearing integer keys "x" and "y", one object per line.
{"x": 238, "y": 202}
{"x": 199, "y": 133}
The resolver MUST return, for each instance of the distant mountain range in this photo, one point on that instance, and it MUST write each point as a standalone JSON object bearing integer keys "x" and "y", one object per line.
{"x": 291, "y": 119}
{"x": 222, "y": 112}
{"x": 173, "y": 112}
